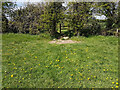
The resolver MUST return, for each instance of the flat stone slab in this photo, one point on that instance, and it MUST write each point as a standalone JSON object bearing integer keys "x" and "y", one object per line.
{"x": 63, "y": 41}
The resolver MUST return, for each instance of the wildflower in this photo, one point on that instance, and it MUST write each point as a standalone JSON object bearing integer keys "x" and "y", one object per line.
{"x": 87, "y": 57}
{"x": 39, "y": 64}
{"x": 80, "y": 74}
{"x": 116, "y": 79}
{"x": 11, "y": 75}
{"x": 112, "y": 87}
{"x": 116, "y": 82}
{"x": 106, "y": 77}
{"x": 23, "y": 78}
{"x": 112, "y": 82}
{"x": 76, "y": 69}
{"x": 94, "y": 76}
{"x": 70, "y": 78}
{"x": 110, "y": 77}
{"x": 88, "y": 78}
{"x": 71, "y": 74}
{"x": 103, "y": 69}
{"x": 31, "y": 68}
{"x": 35, "y": 56}
{"x": 116, "y": 86}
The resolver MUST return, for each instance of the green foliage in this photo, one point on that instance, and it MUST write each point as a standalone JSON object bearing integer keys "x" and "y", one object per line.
{"x": 6, "y": 11}
{"x": 109, "y": 10}
{"x": 78, "y": 15}
{"x": 74, "y": 19}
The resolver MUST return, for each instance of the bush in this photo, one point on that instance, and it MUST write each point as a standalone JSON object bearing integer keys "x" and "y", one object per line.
{"x": 45, "y": 35}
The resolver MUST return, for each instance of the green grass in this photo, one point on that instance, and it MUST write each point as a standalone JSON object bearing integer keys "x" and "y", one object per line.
{"x": 29, "y": 61}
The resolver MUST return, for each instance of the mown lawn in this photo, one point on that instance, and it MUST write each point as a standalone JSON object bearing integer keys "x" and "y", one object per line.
{"x": 29, "y": 61}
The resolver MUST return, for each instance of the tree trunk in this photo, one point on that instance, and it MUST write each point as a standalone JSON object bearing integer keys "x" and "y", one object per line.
{"x": 60, "y": 28}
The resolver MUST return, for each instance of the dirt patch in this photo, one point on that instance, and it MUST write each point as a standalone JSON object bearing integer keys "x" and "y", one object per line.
{"x": 63, "y": 41}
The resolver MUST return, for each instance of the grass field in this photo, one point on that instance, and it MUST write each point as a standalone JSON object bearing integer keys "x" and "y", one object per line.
{"x": 29, "y": 61}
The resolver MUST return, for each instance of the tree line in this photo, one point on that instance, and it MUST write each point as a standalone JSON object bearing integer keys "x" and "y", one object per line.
{"x": 75, "y": 17}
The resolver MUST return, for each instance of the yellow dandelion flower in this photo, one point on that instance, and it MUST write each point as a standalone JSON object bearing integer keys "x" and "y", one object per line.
{"x": 70, "y": 78}
{"x": 116, "y": 86}
{"x": 58, "y": 60}
{"x": 35, "y": 56}
{"x": 39, "y": 64}
{"x": 116, "y": 79}
{"x": 76, "y": 69}
{"x": 71, "y": 74}
{"x": 116, "y": 82}
{"x": 88, "y": 78}
{"x": 112, "y": 82}
{"x": 23, "y": 78}
{"x": 80, "y": 74}
{"x": 103, "y": 69}
{"x": 11, "y": 75}
{"x": 112, "y": 87}
{"x": 106, "y": 77}
{"x": 94, "y": 76}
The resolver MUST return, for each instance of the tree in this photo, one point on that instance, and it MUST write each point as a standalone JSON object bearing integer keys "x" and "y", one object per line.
{"x": 109, "y": 10}
{"x": 78, "y": 13}
{"x": 54, "y": 10}
{"x": 7, "y": 9}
